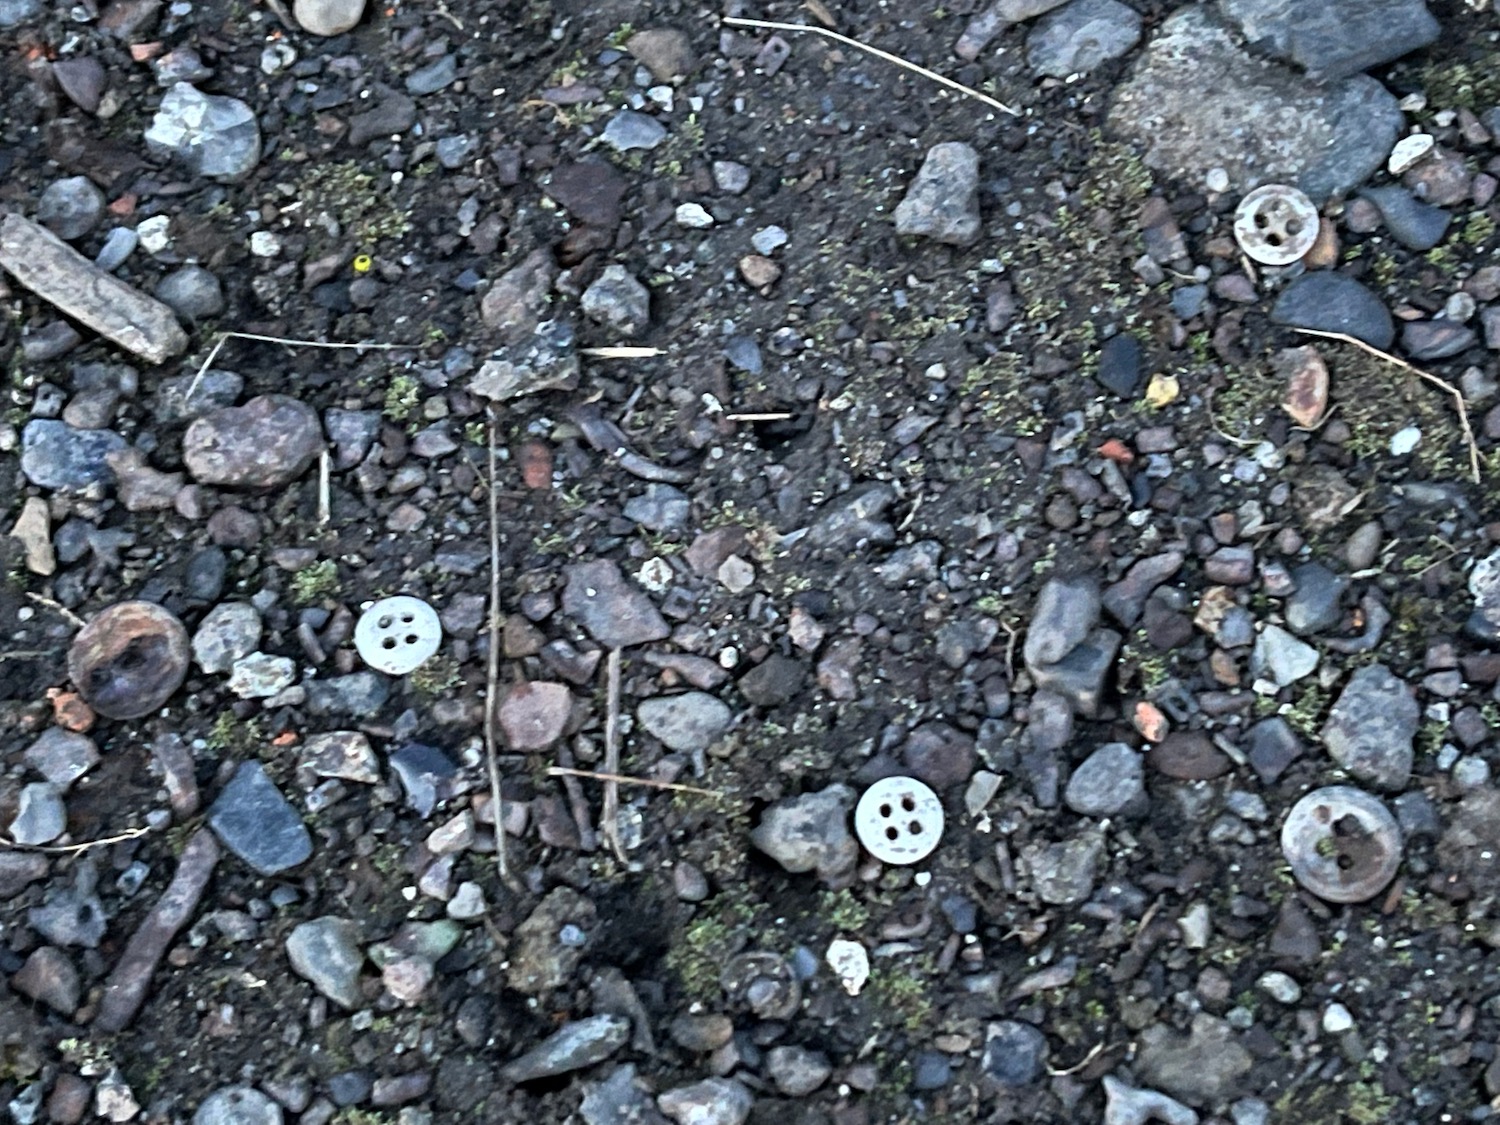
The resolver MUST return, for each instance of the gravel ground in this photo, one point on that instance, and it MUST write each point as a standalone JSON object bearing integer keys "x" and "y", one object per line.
{"x": 1144, "y": 555}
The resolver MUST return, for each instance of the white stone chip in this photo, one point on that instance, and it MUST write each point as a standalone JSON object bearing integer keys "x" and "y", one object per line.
{"x": 1409, "y": 152}
{"x": 899, "y": 820}
{"x": 396, "y": 635}
{"x": 850, "y": 963}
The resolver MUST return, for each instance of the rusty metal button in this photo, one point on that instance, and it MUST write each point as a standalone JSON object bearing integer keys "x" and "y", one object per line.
{"x": 129, "y": 659}
{"x": 1276, "y": 224}
{"x": 1342, "y": 843}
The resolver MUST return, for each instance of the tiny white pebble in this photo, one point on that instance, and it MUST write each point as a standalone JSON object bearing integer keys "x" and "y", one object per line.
{"x": 693, "y": 216}
{"x": 1336, "y": 1019}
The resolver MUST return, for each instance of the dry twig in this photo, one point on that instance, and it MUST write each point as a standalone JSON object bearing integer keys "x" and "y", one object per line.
{"x": 771, "y": 25}
{"x": 57, "y": 608}
{"x": 492, "y": 671}
{"x": 226, "y": 337}
{"x": 1458, "y": 399}
{"x": 620, "y": 351}
{"x": 611, "y": 814}
{"x": 75, "y": 849}
{"x": 622, "y": 779}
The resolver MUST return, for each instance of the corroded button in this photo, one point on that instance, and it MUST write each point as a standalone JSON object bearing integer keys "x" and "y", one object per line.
{"x": 1342, "y": 843}
{"x": 129, "y": 659}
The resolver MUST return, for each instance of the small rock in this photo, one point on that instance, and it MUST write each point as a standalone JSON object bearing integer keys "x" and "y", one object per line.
{"x": 71, "y": 915}
{"x": 702, "y": 1032}
{"x": 939, "y": 754}
{"x": 61, "y": 756}
{"x": 326, "y": 952}
{"x": 575, "y": 1045}
{"x": 1282, "y": 656}
{"x": 237, "y": 1105}
{"x": 70, "y": 208}
{"x": 1188, "y": 756}
{"x": 1335, "y": 42}
{"x": 1109, "y": 781}
{"x": 268, "y": 442}
{"x": 810, "y": 833}
{"x": 328, "y": 17}
{"x": 82, "y": 79}
{"x": 1306, "y": 378}
{"x": 1416, "y": 225}
{"x": 192, "y": 292}
{"x": 853, "y": 518}
{"x": 1066, "y": 610}
{"x": 1371, "y": 727}
{"x": 797, "y": 1071}
{"x": 1015, "y": 1054}
{"x": 261, "y": 675}
{"x": 141, "y": 488}
{"x": 665, "y": 51}
{"x": 33, "y": 528}
{"x": 1203, "y": 1067}
{"x": 540, "y": 961}
{"x": 730, "y": 176}
{"x": 619, "y": 1100}
{"x": 1079, "y": 36}
{"x": 1079, "y": 677}
{"x": 1125, "y": 1105}
{"x": 616, "y": 614}
{"x": 41, "y": 816}
{"x": 345, "y": 754}
{"x": 619, "y": 301}
{"x": 360, "y": 694}
{"x": 943, "y": 200}
{"x": 629, "y": 129}
{"x": 394, "y": 115}
{"x": 436, "y": 75}
{"x": 774, "y": 681}
{"x": 1332, "y": 302}
{"x": 214, "y": 136}
{"x": 1314, "y": 606}
{"x": 55, "y": 455}
{"x": 228, "y": 632}
{"x": 1064, "y": 873}
{"x": 693, "y": 216}
{"x": 50, "y": 978}
{"x": 714, "y": 1101}
{"x": 1436, "y": 339}
{"x": 1121, "y": 364}
{"x": 258, "y": 824}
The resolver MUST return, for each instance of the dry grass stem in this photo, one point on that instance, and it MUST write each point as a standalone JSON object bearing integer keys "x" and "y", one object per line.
{"x": 75, "y": 849}
{"x": 1094, "y": 1052}
{"x": 325, "y": 488}
{"x": 226, "y": 337}
{"x": 770, "y": 25}
{"x": 621, "y": 351}
{"x": 492, "y": 670}
{"x": 622, "y": 779}
{"x": 611, "y": 813}
{"x": 23, "y": 654}
{"x": 1458, "y": 399}
{"x": 774, "y": 416}
{"x": 57, "y": 608}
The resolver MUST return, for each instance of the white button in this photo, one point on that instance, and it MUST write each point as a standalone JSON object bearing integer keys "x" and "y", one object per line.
{"x": 899, "y": 820}
{"x": 395, "y": 635}
{"x": 1276, "y": 224}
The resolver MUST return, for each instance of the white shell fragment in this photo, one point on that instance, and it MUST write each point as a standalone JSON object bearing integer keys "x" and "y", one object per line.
{"x": 899, "y": 820}
{"x": 1409, "y": 152}
{"x": 396, "y": 635}
{"x": 1276, "y": 224}
{"x": 850, "y": 963}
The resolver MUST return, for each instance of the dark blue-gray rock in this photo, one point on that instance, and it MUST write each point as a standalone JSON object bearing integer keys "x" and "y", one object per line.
{"x": 1332, "y": 302}
{"x": 714, "y": 1101}
{"x": 119, "y": 244}
{"x": 1015, "y": 1054}
{"x": 326, "y": 951}
{"x": 213, "y": 135}
{"x": 619, "y": 1100}
{"x": 392, "y": 116}
{"x": 943, "y": 200}
{"x": 854, "y": 518}
{"x": 13, "y": 12}
{"x": 1370, "y": 729}
{"x": 433, "y": 77}
{"x": 258, "y": 824}
{"x": 1125, "y": 1105}
{"x": 40, "y": 816}
{"x": 267, "y": 443}
{"x": 1484, "y": 588}
{"x": 70, "y": 208}
{"x": 1282, "y": 657}
{"x": 214, "y": 390}
{"x": 205, "y": 573}
{"x": 350, "y": 1087}
{"x": 1109, "y": 781}
{"x": 1188, "y": 301}
{"x": 1079, "y": 36}
{"x": 1066, "y": 610}
{"x": 352, "y": 433}
{"x": 1201, "y": 1068}
{"x": 237, "y": 1105}
{"x": 1197, "y": 99}
{"x": 1335, "y": 39}
{"x": 618, "y": 301}
{"x": 61, "y": 756}
{"x": 1121, "y": 361}
{"x": 359, "y": 694}
{"x": 58, "y": 456}
{"x": 1414, "y": 224}
{"x": 1063, "y": 873}
{"x": 1436, "y": 339}
{"x": 1049, "y": 722}
{"x": 426, "y": 774}
{"x": 662, "y": 508}
{"x": 810, "y": 832}
{"x": 930, "y": 1070}
{"x": 630, "y": 129}
{"x": 1272, "y": 747}
{"x": 797, "y": 1071}
{"x": 72, "y": 915}
{"x": 773, "y": 681}
{"x": 1315, "y": 605}
{"x": 192, "y": 292}
{"x": 1079, "y": 677}
{"x": 574, "y": 1046}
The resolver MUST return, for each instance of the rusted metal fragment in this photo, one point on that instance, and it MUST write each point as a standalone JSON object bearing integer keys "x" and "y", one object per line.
{"x": 125, "y": 990}
{"x": 60, "y": 275}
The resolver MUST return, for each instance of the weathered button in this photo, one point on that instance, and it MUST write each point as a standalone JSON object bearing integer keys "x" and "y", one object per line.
{"x": 1342, "y": 843}
{"x": 899, "y": 820}
{"x": 396, "y": 635}
{"x": 1276, "y": 224}
{"x": 129, "y": 659}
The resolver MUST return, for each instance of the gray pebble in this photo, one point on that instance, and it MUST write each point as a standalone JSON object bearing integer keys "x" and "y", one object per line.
{"x": 1109, "y": 781}
{"x": 1332, "y": 302}
{"x": 192, "y": 292}
{"x": 629, "y": 129}
{"x": 433, "y": 77}
{"x": 618, "y": 301}
{"x": 942, "y": 202}
{"x": 214, "y": 136}
{"x": 70, "y": 208}
{"x": 258, "y": 824}
{"x": 1079, "y": 36}
{"x": 56, "y": 455}
{"x": 1370, "y": 729}
{"x": 237, "y": 1105}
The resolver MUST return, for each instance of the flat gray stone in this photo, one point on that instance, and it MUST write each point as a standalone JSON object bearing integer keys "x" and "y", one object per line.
{"x": 58, "y": 456}
{"x": 326, "y": 952}
{"x": 229, "y": 631}
{"x": 1416, "y": 225}
{"x": 1332, "y": 302}
{"x": 213, "y": 135}
{"x": 1282, "y": 657}
{"x": 237, "y": 1105}
{"x": 1201, "y": 1068}
{"x": 714, "y": 1101}
{"x": 1315, "y": 605}
{"x": 41, "y": 816}
{"x": 1337, "y": 38}
{"x": 1064, "y": 873}
{"x": 1066, "y": 610}
{"x": 630, "y": 129}
{"x": 254, "y": 821}
{"x": 267, "y": 443}
{"x": 575, "y": 1045}
{"x": 1081, "y": 35}
{"x": 1370, "y": 729}
{"x": 619, "y": 1100}
{"x": 1198, "y": 100}
{"x": 62, "y": 756}
{"x": 943, "y": 200}
{"x": 1107, "y": 782}
{"x": 616, "y": 613}
{"x": 689, "y": 722}
{"x": 1079, "y": 677}
{"x": 810, "y": 832}
{"x": 618, "y": 301}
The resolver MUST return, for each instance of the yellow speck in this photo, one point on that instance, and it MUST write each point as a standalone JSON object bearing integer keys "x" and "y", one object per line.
{"x": 362, "y": 263}
{"x": 1163, "y": 389}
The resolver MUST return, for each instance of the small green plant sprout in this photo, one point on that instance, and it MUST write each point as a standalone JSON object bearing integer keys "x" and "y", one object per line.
{"x": 316, "y": 582}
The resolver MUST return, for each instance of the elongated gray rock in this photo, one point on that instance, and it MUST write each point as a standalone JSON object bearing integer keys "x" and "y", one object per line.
{"x": 1335, "y": 38}
{"x": 1370, "y": 729}
{"x": 61, "y": 276}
